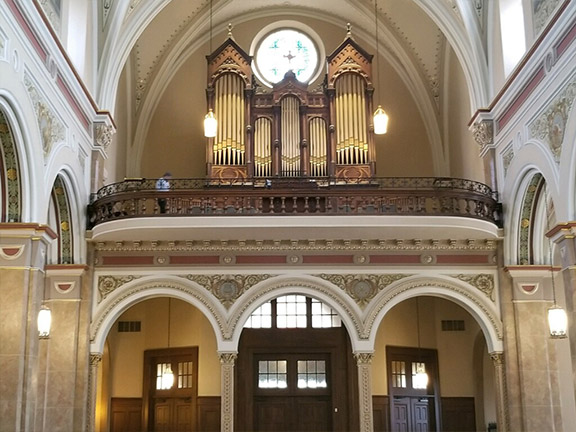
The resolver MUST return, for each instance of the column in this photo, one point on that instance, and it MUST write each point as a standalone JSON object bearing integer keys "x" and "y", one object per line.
{"x": 23, "y": 249}
{"x": 501, "y": 393}
{"x": 227, "y": 361}
{"x": 364, "y": 363}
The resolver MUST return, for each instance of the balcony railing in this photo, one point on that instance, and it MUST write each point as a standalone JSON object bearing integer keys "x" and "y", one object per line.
{"x": 386, "y": 196}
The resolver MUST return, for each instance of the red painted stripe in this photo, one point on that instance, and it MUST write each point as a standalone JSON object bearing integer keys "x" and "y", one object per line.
{"x": 520, "y": 99}
{"x": 566, "y": 40}
{"x": 395, "y": 259}
{"x": 128, "y": 260}
{"x": 255, "y": 259}
{"x": 328, "y": 259}
{"x": 42, "y": 52}
{"x": 462, "y": 259}
{"x": 73, "y": 102}
{"x": 190, "y": 259}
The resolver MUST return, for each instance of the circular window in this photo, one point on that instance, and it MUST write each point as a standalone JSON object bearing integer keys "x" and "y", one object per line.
{"x": 284, "y": 50}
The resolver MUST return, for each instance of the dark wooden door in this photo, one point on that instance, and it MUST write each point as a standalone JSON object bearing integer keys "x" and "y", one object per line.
{"x": 293, "y": 392}
{"x": 171, "y": 407}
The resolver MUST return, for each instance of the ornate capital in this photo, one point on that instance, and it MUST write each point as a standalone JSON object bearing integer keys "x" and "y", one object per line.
{"x": 497, "y": 358}
{"x": 363, "y": 358}
{"x": 227, "y": 358}
{"x": 483, "y": 132}
{"x": 95, "y": 359}
{"x": 103, "y": 135}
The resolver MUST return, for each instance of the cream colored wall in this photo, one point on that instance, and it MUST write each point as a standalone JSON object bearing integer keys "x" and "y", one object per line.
{"x": 465, "y": 161}
{"x": 455, "y": 349}
{"x": 188, "y": 328}
{"x": 175, "y": 140}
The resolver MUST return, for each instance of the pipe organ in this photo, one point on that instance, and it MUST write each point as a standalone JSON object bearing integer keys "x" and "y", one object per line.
{"x": 291, "y": 131}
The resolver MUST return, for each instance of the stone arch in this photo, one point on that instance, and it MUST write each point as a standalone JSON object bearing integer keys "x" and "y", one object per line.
{"x": 10, "y": 173}
{"x": 60, "y": 219}
{"x": 477, "y": 303}
{"x": 146, "y": 287}
{"x": 310, "y": 286}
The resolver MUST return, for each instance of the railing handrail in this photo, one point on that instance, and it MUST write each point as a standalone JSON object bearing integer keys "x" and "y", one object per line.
{"x": 400, "y": 196}
{"x": 395, "y": 183}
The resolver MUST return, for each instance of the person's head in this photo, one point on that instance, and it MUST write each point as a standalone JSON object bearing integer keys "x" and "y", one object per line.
{"x": 167, "y": 175}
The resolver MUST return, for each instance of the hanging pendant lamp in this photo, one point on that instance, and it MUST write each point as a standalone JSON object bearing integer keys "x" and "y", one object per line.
{"x": 210, "y": 122}
{"x": 380, "y": 118}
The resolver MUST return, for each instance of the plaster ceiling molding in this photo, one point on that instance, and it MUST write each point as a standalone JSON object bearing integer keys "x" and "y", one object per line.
{"x": 424, "y": 49}
{"x": 106, "y": 6}
{"x": 51, "y": 9}
{"x": 52, "y": 129}
{"x": 541, "y": 12}
{"x": 550, "y": 126}
{"x": 152, "y": 46}
{"x": 133, "y": 5}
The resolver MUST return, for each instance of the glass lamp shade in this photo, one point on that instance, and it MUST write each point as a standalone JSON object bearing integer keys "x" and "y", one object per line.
{"x": 557, "y": 322}
{"x": 167, "y": 378}
{"x": 380, "y": 121}
{"x": 44, "y": 322}
{"x": 210, "y": 125}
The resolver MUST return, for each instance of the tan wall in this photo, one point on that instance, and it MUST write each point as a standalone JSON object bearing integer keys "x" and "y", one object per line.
{"x": 465, "y": 161}
{"x": 175, "y": 140}
{"x": 455, "y": 349}
{"x": 188, "y": 328}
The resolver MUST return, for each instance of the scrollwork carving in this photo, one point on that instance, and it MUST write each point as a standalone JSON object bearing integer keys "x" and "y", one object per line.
{"x": 484, "y": 282}
{"x": 107, "y": 284}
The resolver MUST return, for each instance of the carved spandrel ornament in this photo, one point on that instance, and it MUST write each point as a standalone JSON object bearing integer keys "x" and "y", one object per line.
{"x": 227, "y": 288}
{"x": 484, "y": 282}
{"x": 363, "y": 288}
{"x": 107, "y": 284}
{"x": 483, "y": 133}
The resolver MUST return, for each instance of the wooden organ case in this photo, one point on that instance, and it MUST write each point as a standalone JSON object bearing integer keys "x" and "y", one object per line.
{"x": 291, "y": 131}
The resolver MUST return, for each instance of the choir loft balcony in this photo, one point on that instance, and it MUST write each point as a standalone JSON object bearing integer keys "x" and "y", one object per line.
{"x": 421, "y": 197}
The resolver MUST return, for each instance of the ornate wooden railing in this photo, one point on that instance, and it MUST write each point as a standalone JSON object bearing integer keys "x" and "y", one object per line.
{"x": 422, "y": 196}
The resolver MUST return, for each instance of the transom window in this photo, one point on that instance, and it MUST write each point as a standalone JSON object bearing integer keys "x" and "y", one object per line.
{"x": 294, "y": 311}
{"x": 284, "y": 50}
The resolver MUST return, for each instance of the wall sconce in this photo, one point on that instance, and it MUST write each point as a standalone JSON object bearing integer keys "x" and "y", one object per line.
{"x": 44, "y": 322}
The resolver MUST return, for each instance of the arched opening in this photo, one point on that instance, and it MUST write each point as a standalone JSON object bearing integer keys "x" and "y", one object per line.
{"x": 295, "y": 370}
{"x": 144, "y": 339}
{"x": 442, "y": 336}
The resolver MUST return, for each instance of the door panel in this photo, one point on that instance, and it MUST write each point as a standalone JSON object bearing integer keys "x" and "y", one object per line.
{"x": 272, "y": 414}
{"x": 312, "y": 414}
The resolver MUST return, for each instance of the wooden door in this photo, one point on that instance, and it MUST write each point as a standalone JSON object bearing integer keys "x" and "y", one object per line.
{"x": 413, "y": 407}
{"x": 293, "y": 392}
{"x": 171, "y": 408}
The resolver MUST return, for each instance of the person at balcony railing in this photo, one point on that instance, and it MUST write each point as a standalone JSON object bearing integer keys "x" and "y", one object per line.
{"x": 163, "y": 184}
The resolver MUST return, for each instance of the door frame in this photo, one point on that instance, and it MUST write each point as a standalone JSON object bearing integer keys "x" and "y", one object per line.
{"x": 151, "y": 358}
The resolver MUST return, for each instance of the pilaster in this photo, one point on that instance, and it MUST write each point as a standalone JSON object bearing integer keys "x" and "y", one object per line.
{"x": 227, "y": 362}
{"x": 22, "y": 257}
{"x": 536, "y": 352}
{"x": 364, "y": 363}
